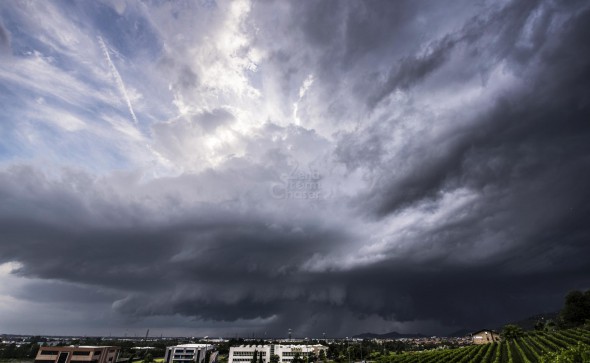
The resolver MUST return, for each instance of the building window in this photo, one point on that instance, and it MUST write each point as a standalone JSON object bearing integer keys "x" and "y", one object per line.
{"x": 63, "y": 357}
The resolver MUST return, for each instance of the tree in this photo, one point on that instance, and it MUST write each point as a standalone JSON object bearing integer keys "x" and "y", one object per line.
{"x": 254, "y": 357}
{"x": 322, "y": 356}
{"x": 511, "y": 331}
{"x": 333, "y": 352}
{"x": 260, "y": 359}
{"x": 297, "y": 358}
{"x": 576, "y": 309}
{"x": 148, "y": 358}
{"x": 545, "y": 325}
{"x": 9, "y": 351}
{"x": 550, "y": 325}
{"x": 33, "y": 351}
{"x": 274, "y": 358}
{"x": 540, "y": 324}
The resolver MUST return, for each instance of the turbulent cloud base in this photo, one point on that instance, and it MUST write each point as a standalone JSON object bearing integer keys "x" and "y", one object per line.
{"x": 242, "y": 167}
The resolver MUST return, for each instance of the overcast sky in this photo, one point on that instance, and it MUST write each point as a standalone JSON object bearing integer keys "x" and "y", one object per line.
{"x": 222, "y": 168}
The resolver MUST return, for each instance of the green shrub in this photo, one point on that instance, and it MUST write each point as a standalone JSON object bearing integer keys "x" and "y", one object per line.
{"x": 575, "y": 354}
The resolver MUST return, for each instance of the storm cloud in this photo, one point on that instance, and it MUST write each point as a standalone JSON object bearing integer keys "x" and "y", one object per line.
{"x": 323, "y": 166}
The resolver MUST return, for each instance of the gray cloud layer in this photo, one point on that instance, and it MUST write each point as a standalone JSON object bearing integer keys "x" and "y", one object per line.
{"x": 453, "y": 141}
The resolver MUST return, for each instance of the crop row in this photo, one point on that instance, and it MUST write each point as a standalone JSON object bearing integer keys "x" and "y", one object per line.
{"x": 529, "y": 348}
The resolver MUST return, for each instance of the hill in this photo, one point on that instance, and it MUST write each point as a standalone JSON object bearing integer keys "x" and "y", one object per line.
{"x": 529, "y": 323}
{"x": 532, "y": 347}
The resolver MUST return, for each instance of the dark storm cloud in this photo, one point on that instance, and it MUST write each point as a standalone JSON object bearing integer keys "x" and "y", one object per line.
{"x": 513, "y": 134}
{"x": 55, "y": 291}
{"x": 489, "y": 38}
{"x": 412, "y": 70}
{"x": 468, "y": 296}
{"x": 213, "y": 263}
{"x": 528, "y": 157}
{"x": 214, "y": 245}
{"x": 345, "y": 33}
{"x": 350, "y": 46}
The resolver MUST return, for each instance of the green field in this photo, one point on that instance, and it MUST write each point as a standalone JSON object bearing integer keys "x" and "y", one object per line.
{"x": 530, "y": 348}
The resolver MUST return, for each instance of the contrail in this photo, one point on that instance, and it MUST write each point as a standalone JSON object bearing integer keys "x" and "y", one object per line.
{"x": 117, "y": 77}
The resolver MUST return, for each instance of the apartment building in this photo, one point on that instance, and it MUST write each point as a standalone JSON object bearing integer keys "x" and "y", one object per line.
{"x": 285, "y": 352}
{"x": 187, "y": 353}
{"x": 78, "y": 354}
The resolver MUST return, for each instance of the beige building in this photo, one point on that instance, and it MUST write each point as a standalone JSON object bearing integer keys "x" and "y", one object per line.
{"x": 485, "y": 336}
{"x": 77, "y": 354}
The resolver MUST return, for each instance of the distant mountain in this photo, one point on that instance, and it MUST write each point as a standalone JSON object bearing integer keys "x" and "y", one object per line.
{"x": 526, "y": 324}
{"x": 390, "y": 335}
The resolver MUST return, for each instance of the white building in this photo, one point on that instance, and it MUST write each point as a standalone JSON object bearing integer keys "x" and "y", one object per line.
{"x": 187, "y": 353}
{"x": 286, "y": 353}
{"x": 485, "y": 336}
